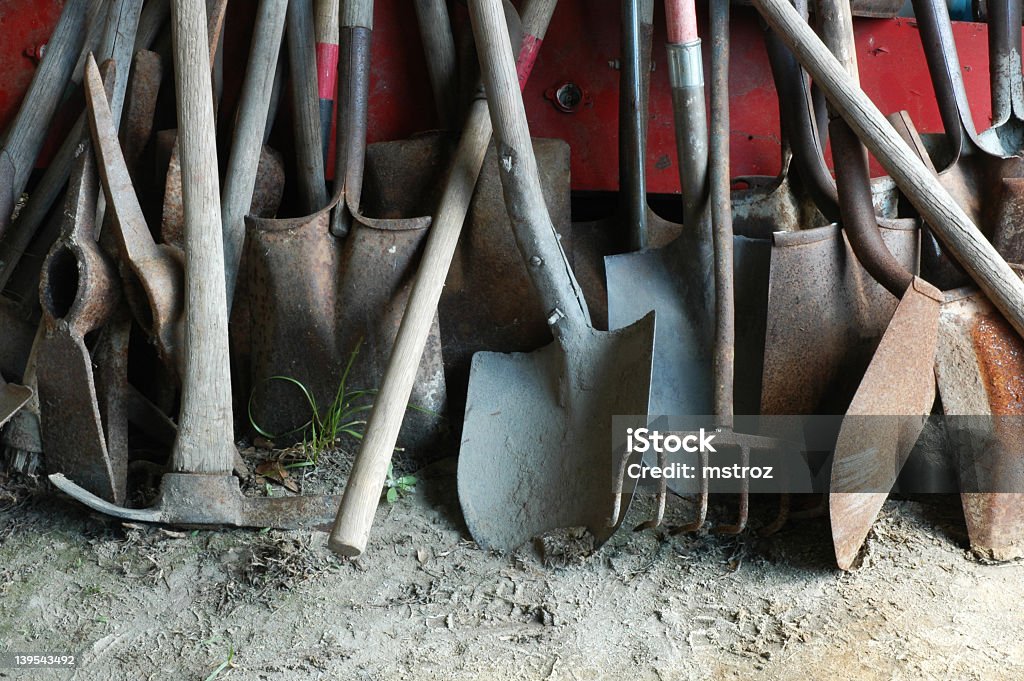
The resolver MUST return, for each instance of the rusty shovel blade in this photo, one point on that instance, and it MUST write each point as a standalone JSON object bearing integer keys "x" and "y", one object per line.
{"x": 884, "y": 420}
{"x": 980, "y": 370}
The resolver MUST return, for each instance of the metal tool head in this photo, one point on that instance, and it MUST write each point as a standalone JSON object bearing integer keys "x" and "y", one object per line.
{"x": 535, "y": 452}
{"x": 334, "y": 297}
{"x": 979, "y": 366}
{"x": 884, "y": 420}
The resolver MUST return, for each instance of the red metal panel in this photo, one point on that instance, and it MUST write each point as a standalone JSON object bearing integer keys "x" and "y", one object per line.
{"x": 25, "y": 25}
{"x": 582, "y": 47}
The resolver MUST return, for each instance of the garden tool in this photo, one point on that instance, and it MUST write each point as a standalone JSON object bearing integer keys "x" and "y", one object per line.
{"x": 309, "y": 154}
{"x": 973, "y": 171}
{"x": 876, "y": 9}
{"x": 355, "y": 515}
{"x": 152, "y": 274}
{"x": 536, "y": 450}
{"x": 24, "y": 139}
{"x": 326, "y": 65}
{"x": 488, "y": 301}
{"x": 79, "y": 294}
{"x": 726, "y": 436}
{"x": 442, "y": 65}
{"x": 25, "y": 235}
{"x": 12, "y": 398}
{"x": 818, "y": 295}
{"x": 676, "y": 279}
{"x": 979, "y": 365}
{"x": 897, "y": 392}
{"x": 172, "y": 220}
{"x": 15, "y": 340}
{"x": 201, "y": 490}
{"x": 953, "y": 226}
{"x": 250, "y": 124}
{"x": 633, "y": 224}
{"x": 354, "y": 287}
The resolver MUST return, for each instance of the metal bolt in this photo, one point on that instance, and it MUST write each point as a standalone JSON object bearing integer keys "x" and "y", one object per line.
{"x": 554, "y": 316}
{"x": 568, "y": 97}
{"x": 536, "y": 261}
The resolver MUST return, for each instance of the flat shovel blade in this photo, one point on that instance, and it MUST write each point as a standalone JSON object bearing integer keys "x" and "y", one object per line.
{"x": 536, "y": 450}
{"x": 980, "y": 370}
{"x": 884, "y": 420}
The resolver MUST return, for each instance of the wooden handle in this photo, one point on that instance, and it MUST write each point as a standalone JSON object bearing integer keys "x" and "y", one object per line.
{"x": 956, "y": 230}
{"x": 356, "y": 13}
{"x": 362, "y": 493}
{"x": 118, "y": 43}
{"x": 564, "y": 306}
{"x": 306, "y": 106}
{"x": 442, "y": 67}
{"x": 27, "y": 133}
{"x": 151, "y": 21}
{"x": 205, "y": 442}
{"x": 250, "y": 124}
{"x": 681, "y": 20}
{"x": 133, "y": 234}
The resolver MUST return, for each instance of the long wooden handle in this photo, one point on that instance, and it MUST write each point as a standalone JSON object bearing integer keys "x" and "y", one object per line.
{"x": 355, "y": 513}
{"x": 442, "y": 66}
{"x": 119, "y": 44}
{"x": 251, "y": 122}
{"x": 948, "y": 220}
{"x": 560, "y": 293}
{"x": 306, "y": 106}
{"x": 681, "y": 21}
{"x": 205, "y": 442}
{"x": 27, "y": 133}
{"x": 356, "y": 14}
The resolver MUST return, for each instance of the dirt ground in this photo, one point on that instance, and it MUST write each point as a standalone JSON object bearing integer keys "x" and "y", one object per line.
{"x": 138, "y": 602}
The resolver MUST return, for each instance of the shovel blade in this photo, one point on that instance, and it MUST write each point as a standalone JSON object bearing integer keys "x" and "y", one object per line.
{"x": 536, "y": 449}
{"x": 884, "y": 419}
{"x": 980, "y": 371}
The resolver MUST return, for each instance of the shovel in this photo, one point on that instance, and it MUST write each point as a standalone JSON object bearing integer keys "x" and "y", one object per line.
{"x": 201, "y": 490}
{"x": 354, "y": 287}
{"x": 362, "y": 492}
{"x": 536, "y": 453}
{"x": 676, "y": 280}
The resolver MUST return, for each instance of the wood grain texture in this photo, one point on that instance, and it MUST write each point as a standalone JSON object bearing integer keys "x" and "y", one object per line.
{"x": 442, "y": 66}
{"x": 250, "y": 125}
{"x": 28, "y": 131}
{"x": 356, "y": 13}
{"x": 306, "y": 106}
{"x": 956, "y": 230}
{"x": 205, "y": 431}
{"x": 355, "y": 513}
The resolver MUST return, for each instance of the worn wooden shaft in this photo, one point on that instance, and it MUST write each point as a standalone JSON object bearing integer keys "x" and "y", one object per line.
{"x": 205, "y": 433}
{"x": 442, "y": 64}
{"x": 362, "y": 493}
{"x": 306, "y": 106}
{"x": 250, "y": 124}
{"x": 953, "y": 226}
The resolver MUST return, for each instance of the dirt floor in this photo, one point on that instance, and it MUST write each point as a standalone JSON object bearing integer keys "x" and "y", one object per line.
{"x": 138, "y": 602}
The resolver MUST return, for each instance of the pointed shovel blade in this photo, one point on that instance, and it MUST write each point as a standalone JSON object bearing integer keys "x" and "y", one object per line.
{"x": 884, "y": 419}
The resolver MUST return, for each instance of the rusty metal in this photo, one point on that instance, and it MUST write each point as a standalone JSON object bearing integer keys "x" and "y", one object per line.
{"x": 351, "y": 294}
{"x": 979, "y": 366}
{"x": 78, "y": 294}
{"x": 153, "y": 274}
{"x": 488, "y": 302}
